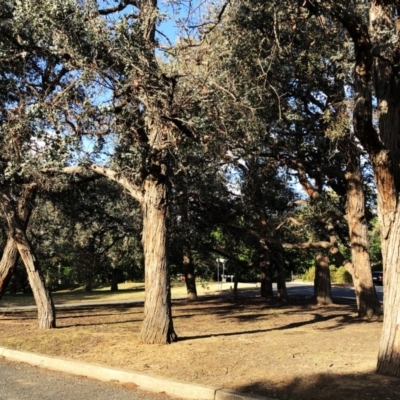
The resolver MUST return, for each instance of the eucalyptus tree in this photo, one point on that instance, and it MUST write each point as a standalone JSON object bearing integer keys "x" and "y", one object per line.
{"x": 373, "y": 29}
{"x": 280, "y": 52}
{"x": 147, "y": 109}
{"x": 31, "y": 81}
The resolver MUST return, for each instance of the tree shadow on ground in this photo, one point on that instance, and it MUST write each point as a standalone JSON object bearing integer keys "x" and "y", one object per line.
{"x": 242, "y": 310}
{"x": 318, "y": 318}
{"x": 329, "y": 386}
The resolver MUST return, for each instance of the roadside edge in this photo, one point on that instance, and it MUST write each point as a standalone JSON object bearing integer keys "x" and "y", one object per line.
{"x": 146, "y": 382}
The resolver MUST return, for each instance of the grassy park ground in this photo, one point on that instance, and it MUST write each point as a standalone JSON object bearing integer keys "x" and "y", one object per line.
{"x": 292, "y": 350}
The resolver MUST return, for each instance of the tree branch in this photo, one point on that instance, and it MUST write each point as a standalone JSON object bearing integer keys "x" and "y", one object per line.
{"x": 133, "y": 189}
{"x": 121, "y": 6}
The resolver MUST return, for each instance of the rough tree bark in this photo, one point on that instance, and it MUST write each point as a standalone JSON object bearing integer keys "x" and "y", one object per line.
{"x": 281, "y": 284}
{"x": 190, "y": 278}
{"x": 236, "y": 281}
{"x": 322, "y": 282}
{"x": 376, "y": 66}
{"x": 377, "y": 48}
{"x": 368, "y": 304}
{"x": 266, "y": 276}
{"x": 10, "y": 257}
{"x": 114, "y": 279}
{"x": 8, "y": 263}
{"x": 157, "y": 325}
{"x": 44, "y": 302}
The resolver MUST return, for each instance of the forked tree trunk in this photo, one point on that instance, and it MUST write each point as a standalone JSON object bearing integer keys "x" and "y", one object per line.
{"x": 322, "y": 282}
{"x": 44, "y": 302}
{"x": 157, "y": 325}
{"x": 190, "y": 278}
{"x": 368, "y": 304}
{"x": 266, "y": 276}
{"x": 10, "y": 257}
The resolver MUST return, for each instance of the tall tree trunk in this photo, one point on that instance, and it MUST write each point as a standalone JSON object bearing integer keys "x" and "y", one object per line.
{"x": 368, "y": 304}
{"x": 190, "y": 278}
{"x": 157, "y": 326}
{"x": 376, "y": 47}
{"x": 322, "y": 282}
{"x": 389, "y": 348}
{"x": 89, "y": 279}
{"x": 114, "y": 279}
{"x": 266, "y": 276}
{"x": 44, "y": 302}
{"x": 282, "y": 290}
{"x": 384, "y": 151}
{"x": 236, "y": 281}
{"x": 387, "y": 178}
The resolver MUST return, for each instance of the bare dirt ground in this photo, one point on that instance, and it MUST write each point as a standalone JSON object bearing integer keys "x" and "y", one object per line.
{"x": 292, "y": 350}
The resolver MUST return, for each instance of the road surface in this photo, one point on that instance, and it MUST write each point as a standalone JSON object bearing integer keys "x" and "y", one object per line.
{"x": 345, "y": 292}
{"x": 24, "y": 382}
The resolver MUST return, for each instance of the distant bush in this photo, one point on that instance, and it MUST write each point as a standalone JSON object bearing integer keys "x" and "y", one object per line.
{"x": 309, "y": 275}
{"x": 338, "y": 275}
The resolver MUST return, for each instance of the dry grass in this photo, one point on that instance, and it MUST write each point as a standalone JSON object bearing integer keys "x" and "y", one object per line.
{"x": 288, "y": 351}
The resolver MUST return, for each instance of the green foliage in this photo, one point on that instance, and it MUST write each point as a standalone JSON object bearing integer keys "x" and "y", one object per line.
{"x": 309, "y": 275}
{"x": 375, "y": 245}
{"x": 338, "y": 275}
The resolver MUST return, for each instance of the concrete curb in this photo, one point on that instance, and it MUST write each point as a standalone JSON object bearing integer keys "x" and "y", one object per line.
{"x": 146, "y": 382}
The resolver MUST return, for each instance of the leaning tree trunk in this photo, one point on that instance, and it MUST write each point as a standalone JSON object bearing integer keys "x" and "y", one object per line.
{"x": 266, "y": 276}
{"x": 8, "y": 264}
{"x": 190, "y": 278}
{"x": 44, "y": 302}
{"x": 368, "y": 304}
{"x": 157, "y": 326}
{"x": 322, "y": 282}
{"x": 10, "y": 257}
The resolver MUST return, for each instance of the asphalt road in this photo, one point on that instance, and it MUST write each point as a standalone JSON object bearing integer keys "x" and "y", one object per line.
{"x": 346, "y": 292}
{"x": 24, "y": 382}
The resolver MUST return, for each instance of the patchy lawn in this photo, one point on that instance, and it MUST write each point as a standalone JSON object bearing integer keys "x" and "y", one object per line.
{"x": 288, "y": 351}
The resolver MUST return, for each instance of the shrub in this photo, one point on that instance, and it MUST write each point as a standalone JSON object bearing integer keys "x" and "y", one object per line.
{"x": 341, "y": 275}
{"x": 309, "y": 275}
{"x": 338, "y": 275}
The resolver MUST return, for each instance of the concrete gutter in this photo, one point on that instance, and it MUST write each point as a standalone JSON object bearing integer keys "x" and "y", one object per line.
{"x": 151, "y": 383}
